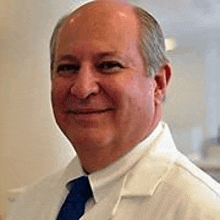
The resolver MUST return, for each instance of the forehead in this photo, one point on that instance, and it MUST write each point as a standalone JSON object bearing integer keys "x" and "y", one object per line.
{"x": 115, "y": 25}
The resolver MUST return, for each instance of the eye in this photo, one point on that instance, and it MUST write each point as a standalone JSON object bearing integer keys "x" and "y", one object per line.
{"x": 67, "y": 69}
{"x": 110, "y": 66}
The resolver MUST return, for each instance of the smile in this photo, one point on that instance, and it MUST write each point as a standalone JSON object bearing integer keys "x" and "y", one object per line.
{"x": 88, "y": 117}
{"x": 88, "y": 111}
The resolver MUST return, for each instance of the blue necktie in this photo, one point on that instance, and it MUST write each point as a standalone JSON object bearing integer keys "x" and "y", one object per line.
{"x": 73, "y": 207}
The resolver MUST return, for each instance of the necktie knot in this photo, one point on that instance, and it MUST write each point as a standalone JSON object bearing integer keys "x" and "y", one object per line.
{"x": 74, "y": 205}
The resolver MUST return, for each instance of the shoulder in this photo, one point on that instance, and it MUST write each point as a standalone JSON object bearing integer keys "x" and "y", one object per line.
{"x": 196, "y": 193}
{"x": 182, "y": 173}
{"x": 192, "y": 179}
{"x": 173, "y": 187}
{"x": 36, "y": 197}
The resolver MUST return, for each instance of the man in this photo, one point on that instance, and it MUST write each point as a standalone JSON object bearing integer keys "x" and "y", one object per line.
{"x": 109, "y": 78}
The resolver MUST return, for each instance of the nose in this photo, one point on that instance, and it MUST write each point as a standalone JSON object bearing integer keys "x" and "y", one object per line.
{"x": 85, "y": 84}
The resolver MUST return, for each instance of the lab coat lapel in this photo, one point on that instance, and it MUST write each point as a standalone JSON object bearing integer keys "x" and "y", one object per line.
{"x": 57, "y": 193}
{"x": 152, "y": 168}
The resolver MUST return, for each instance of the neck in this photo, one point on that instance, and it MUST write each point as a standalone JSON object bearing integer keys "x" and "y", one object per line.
{"x": 97, "y": 158}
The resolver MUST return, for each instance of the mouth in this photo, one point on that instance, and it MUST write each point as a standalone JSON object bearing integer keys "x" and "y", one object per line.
{"x": 88, "y": 111}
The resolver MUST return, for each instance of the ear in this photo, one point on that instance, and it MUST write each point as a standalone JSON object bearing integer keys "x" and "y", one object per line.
{"x": 162, "y": 80}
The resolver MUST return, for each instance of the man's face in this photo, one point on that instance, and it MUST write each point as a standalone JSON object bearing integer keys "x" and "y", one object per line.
{"x": 100, "y": 93}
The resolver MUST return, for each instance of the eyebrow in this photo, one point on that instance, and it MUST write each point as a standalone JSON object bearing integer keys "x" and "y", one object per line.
{"x": 125, "y": 58}
{"x": 106, "y": 54}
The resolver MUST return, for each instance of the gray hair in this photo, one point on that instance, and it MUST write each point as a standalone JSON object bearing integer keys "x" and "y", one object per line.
{"x": 152, "y": 43}
{"x": 53, "y": 40}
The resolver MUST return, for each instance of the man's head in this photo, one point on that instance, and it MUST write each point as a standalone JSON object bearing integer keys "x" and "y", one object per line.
{"x": 103, "y": 100}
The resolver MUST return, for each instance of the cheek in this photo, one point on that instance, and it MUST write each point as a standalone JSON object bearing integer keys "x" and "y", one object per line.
{"x": 56, "y": 98}
{"x": 59, "y": 90}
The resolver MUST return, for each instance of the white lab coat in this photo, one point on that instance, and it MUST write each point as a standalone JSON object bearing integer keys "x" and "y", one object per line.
{"x": 163, "y": 185}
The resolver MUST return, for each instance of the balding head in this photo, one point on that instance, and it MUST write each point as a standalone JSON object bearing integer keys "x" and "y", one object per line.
{"x": 150, "y": 36}
{"x": 100, "y": 19}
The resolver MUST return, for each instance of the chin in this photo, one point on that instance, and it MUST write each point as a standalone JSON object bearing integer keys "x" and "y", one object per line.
{"x": 91, "y": 140}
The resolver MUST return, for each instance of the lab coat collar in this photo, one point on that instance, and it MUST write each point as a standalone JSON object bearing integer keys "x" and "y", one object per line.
{"x": 152, "y": 168}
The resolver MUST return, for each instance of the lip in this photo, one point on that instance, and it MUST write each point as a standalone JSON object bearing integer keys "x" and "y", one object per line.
{"x": 88, "y": 111}
{"x": 90, "y": 117}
